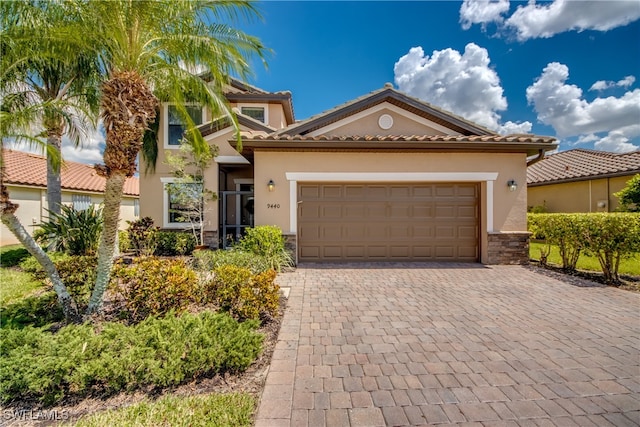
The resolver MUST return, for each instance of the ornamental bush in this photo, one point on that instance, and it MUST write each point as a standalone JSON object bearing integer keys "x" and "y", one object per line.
{"x": 210, "y": 260}
{"x": 610, "y": 237}
{"x": 560, "y": 230}
{"x": 268, "y": 242}
{"x": 79, "y": 360}
{"x": 243, "y": 294}
{"x": 154, "y": 286}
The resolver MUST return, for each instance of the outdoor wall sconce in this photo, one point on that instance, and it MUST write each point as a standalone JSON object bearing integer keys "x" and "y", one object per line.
{"x": 271, "y": 185}
{"x": 512, "y": 184}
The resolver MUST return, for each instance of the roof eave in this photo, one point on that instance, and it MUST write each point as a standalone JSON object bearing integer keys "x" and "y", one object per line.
{"x": 584, "y": 178}
{"x": 530, "y": 148}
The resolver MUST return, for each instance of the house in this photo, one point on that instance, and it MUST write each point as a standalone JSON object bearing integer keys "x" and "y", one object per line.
{"x": 580, "y": 180}
{"x": 385, "y": 177}
{"x": 26, "y": 180}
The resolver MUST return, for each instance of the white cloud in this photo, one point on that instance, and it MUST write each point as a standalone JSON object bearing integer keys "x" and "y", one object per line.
{"x": 615, "y": 141}
{"x": 544, "y": 20}
{"x": 563, "y": 107}
{"x": 604, "y": 84}
{"x": 464, "y": 84}
{"x": 482, "y": 12}
{"x": 89, "y": 151}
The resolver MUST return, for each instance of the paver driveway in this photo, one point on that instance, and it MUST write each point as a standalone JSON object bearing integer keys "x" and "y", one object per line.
{"x": 452, "y": 344}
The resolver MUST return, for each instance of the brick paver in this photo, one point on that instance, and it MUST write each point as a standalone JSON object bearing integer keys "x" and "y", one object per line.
{"x": 429, "y": 344}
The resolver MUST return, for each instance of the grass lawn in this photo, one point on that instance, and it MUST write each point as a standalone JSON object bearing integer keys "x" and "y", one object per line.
{"x": 629, "y": 266}
{"x": 15, "y": 284}
{"x": 223, "y": 410}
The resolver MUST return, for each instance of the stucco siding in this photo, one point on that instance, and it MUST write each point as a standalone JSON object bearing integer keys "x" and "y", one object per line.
{"x": 595, "y": 195}
{"x": 508, "y": 208}
{"x": 33, "y": 209}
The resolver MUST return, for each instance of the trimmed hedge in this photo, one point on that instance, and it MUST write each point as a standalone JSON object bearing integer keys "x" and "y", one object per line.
{"x": 608, "y": 236}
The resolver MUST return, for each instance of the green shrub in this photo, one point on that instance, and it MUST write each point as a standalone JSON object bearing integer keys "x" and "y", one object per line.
{"x": 142, "y": 236}
{"x": 36, "y": 310}
{"x": 78, "y": 273}
{"x": 31, "y": 265}
{"x": 561, "y": 230}
{"x": 244, "y": 295}
{"x": 12, "y": 256}
{"x": 124, "y": 244}
{"x": 210, "y": 260}
{"x": 267, "y": 241}
{"x": 173, "y": 243}
{"x": 75, "y": 232}
{"x": 611, "y": 237}
{"x": 77, "y": 360}
{"x": 154, "y": 286}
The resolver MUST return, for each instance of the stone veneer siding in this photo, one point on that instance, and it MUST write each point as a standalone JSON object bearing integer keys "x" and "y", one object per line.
{"x": 291, "y": 244}
{"x": 508, "y": 248}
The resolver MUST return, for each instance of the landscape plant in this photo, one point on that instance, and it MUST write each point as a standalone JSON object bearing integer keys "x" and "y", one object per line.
{"x": 610, "y": 237}
{"x": 560, "y": 230}
{"x": 243, "y": 294}
{"x": 629, "y": 196}
{"x": 153, "y": 286}
{"x": 210, "y": 260}
{"x": 79, "y": 360}
{"x": 189, "y": 190}
{"x": 72, "y": 231}
{"x": 268, "y": 242}
{"x": 148, "y": 52}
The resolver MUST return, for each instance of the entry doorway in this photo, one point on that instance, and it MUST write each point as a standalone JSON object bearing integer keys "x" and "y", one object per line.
{"x": 237, "y": 211}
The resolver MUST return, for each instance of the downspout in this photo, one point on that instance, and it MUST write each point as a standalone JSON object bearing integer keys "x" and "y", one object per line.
{"x": 537, "y": 158}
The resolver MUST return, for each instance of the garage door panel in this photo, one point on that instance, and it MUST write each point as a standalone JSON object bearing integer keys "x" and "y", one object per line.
{"x": 331, "y": 192}
{"x": 467, "y": 212}
{"x": 400, "y": 222}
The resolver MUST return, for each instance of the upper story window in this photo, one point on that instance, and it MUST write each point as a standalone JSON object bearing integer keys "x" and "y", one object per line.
{"x": 175, "y": 125}
{"x": 258, "y": 112}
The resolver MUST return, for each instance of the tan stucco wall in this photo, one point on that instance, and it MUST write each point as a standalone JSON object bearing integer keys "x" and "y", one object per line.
{"x": 33, "y": 205}
{"x": 579, "y": 196}
{"x": 509, "y": 208}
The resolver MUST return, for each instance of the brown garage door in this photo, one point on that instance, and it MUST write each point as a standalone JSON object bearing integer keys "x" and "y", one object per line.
{"x": 387, "y": 222}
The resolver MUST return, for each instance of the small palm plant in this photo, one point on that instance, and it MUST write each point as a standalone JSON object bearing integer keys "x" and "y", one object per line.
{"x": 75, "y": 232}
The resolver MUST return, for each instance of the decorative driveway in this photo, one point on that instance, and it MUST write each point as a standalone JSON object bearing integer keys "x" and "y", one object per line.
{"x": 439, "y": 344}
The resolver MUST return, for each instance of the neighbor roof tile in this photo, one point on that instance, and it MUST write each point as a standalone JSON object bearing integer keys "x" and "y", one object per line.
{"x": 579, "y": 164}
{"x": 30, "y": 169}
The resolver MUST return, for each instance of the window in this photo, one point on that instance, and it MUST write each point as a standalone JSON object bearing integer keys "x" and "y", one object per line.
{"x": 81, "y": 202}
{"x": 258, "y": 113}
{"x": 182, "y": 203}
{"x": 136, "y": 207}
{"x": 175, "y": 127}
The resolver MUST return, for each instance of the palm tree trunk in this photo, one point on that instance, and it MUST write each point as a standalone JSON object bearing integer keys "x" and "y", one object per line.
{"x": 111, "y": 216}
{"x": 69, "y": 307}
{"x": 54, "y": 184}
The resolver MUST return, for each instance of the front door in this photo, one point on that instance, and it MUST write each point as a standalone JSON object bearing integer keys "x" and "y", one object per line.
{"x": 237, "y": 213}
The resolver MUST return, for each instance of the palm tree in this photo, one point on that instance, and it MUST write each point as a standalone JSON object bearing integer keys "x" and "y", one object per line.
{"x": 69, "y": 77}
{"x": 18, "y": 113}
{"x": 149, "y": 51}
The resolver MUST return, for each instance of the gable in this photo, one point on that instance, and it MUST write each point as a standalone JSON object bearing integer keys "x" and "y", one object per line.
{"x": 447, "y": 122}
{"x": 384, "y": 119}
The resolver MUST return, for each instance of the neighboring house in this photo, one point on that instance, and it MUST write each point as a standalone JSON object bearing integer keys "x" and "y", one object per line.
{"x": 385, "y": 177}
{"x": 26, "y": 180}
{"x": 580, "y": 180}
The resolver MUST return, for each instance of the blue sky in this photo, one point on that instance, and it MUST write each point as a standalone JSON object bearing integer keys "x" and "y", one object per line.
{"x": 564, "y": 68}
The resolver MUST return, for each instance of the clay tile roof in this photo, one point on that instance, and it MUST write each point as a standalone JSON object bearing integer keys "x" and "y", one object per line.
{"x": 410, "y": 138}
{"x": 578, "y": 164}
{"x": 30, "y": 169}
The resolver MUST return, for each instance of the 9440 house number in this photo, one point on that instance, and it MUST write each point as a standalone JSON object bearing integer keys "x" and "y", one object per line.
{"x": 273, "y": 205}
